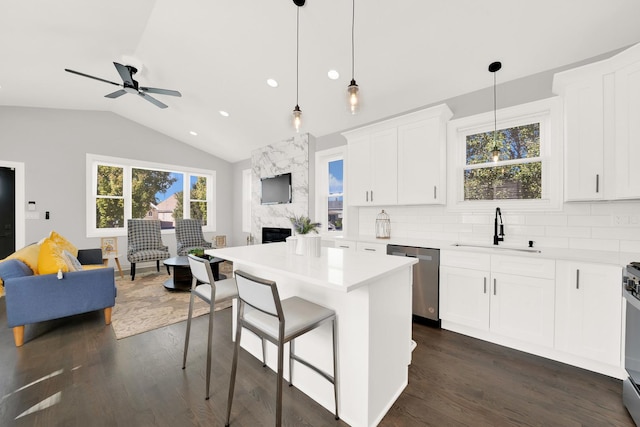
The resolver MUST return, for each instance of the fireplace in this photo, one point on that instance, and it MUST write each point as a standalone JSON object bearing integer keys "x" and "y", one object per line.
{"x": 272, "y": 234}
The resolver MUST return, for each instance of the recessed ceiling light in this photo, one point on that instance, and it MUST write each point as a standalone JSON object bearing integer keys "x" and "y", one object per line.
{"x": 333, "y": 74}
{"x": 223, "y": 113}
{"x": 272, "y": 82}
{"x": 193, "y": 133}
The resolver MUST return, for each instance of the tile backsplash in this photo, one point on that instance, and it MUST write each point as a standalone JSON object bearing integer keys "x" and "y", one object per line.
{"x": 610, "y": 226}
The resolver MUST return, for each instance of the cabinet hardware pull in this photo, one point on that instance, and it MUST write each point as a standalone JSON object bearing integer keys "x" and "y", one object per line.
{"x": 366, "y": 193}
{"x": 435, "y": 192}
{"x": 369, "y": 249}
{"x": 372, "y": 195}
{"x": 485, "y": 285}
{"x": 577, "y": 279}
{"x": 597, "y": 183}
{"x": 494, "y": 286}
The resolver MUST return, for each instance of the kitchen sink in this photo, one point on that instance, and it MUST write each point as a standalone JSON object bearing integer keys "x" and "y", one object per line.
{"x": 497, "y": 248}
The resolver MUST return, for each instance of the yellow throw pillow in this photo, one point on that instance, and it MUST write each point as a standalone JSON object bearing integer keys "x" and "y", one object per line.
{"x": 63, "y": 243}
{"x": 28, "y": 255}
{"x": 51, "y": 258}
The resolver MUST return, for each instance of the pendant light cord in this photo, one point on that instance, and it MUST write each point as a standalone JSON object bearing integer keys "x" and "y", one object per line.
{"x": 495, "y": 114}
{"x": 353, "y": 23}
{"x": 297, "y": 50}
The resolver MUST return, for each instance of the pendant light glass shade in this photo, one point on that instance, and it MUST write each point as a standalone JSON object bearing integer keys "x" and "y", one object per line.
{"x": 495, "y": 148}
{"x": 297, "y": 118}
{"x": 352, "y": 93}
{"x": 353, "y": 96}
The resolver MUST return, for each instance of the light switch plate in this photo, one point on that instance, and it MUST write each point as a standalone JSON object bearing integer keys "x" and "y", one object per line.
{"x": 33, "y": 215}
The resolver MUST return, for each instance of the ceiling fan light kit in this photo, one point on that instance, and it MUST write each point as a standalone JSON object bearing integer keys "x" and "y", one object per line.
{"x": 130, "y": 85}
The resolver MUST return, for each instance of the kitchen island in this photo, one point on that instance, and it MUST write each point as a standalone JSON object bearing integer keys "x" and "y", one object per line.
{"x": 371, "y": 295}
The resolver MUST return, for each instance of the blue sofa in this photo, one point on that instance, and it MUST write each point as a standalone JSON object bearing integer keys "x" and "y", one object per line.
{"x": 36, "y": 298}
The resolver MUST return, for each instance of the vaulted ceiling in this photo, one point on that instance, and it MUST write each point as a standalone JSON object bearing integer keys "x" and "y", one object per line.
{"x": 219, "y": 54}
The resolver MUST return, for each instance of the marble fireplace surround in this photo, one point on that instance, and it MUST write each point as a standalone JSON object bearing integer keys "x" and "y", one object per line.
{"x": 288, "y": 156}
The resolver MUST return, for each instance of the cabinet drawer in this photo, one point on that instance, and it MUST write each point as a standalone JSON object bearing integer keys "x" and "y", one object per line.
{"x": 380, "y": 248}
{"x": 346, "y": 244}
{"x": 524, "y": 266}
{"x": 461, "y": 259}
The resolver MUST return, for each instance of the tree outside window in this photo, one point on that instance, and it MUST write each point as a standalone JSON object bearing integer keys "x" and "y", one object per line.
{"x": 518, "y": 172}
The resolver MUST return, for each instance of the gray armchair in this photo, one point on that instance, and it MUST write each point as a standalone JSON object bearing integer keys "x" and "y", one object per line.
{"x": 144, "y": 243}
{"x": 189, "y": 236}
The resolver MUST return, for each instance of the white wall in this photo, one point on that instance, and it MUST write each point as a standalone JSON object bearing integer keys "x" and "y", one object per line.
{"x": 53, "y": 145}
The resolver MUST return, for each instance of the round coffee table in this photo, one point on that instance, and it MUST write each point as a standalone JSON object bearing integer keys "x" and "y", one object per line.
{"x": 181, "y": 279}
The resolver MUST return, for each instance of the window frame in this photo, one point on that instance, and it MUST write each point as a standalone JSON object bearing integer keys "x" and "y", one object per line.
{"x": 548, "y": 113}
{"x": 323, "y": 158}
{"x": 94, "y": 160}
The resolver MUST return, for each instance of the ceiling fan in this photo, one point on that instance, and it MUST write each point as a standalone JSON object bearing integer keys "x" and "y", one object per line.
{"x": 129, "y": 85}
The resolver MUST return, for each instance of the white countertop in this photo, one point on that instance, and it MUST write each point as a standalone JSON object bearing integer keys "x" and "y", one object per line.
{"x": 335, "y": 268}
{"x": 604, "y": 257}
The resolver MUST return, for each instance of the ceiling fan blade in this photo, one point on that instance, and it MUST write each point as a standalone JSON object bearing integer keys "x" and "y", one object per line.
{"x": 152, "y": 100}
{"x": 161, "y": 91}
{"x": 125, "y": 74}
{"x": 116, "y": 94}
{"x": 91, "y": 77}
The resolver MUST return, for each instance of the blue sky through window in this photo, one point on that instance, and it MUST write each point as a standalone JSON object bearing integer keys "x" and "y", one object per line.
{"x": 335, "y": 176}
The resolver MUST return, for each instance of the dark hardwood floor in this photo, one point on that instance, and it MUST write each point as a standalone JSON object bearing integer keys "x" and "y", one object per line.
{"x": 82, "y": 376}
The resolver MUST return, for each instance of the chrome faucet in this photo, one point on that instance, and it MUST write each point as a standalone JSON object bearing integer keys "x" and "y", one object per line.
{"x": 498, "y": 237}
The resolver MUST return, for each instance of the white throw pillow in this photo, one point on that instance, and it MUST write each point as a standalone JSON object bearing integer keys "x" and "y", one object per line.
{"x": 72, "y": 262}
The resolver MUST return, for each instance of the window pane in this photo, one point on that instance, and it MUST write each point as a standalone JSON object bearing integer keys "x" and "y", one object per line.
{"x": 520, "y": 142}
{"x": 109, "y": 213}
{"x": 522, "y": 181}
{"x": 198, "y": 185}
{"x": 335, "y": 200}
{"x": 110, "y": 181}
{"x": 155, "y": 194}
{"x": 199, "y": 211}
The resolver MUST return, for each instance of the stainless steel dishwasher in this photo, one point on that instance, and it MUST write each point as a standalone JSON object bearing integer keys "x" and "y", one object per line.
{"x": 425, "y": 281}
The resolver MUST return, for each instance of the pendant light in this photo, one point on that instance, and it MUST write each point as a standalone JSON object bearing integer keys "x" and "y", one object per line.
{"x": 495, "y": 150}
{"x": 352, "y": 89}
{"x": 297, "y": 112}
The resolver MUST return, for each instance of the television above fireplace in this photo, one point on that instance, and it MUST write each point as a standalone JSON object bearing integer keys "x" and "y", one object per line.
{"x": 276, "y": 189}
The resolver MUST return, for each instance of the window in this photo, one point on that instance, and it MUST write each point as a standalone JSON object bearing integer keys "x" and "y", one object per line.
{"x": 515, "y": 174}
{"x": 120, "y": 189}
{"x": 330, "y": 196}
{"x": 528, "y": 139}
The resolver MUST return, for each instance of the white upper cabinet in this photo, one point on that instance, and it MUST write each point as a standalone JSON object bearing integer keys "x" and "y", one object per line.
{"x": 422, "y": 159}
{"x": 584, "y": 140}
{"x": 399, "y": 161}
{"x": 627, "y": 128}
{"x": 602, "y": 130}
{"x": 373, "y": 168}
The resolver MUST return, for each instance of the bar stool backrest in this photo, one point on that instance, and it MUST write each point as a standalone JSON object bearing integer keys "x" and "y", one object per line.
{"x": 259, "y": 293}
{"x": 201, "y": 269}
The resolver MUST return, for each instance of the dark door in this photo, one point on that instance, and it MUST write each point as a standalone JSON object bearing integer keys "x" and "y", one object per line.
{"x": 7, "y": 211}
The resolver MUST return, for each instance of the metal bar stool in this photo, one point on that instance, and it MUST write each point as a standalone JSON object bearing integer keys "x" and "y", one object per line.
{"x": 204, "y": 287}
{"x": 279, "y": 322}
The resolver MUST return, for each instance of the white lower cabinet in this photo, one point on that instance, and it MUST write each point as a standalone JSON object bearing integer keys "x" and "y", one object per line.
{"x": 589, "y": 311}
{"x": 519, "y": 307}
{"x": 463, "y": 296}
{"x": 522, "y": 308}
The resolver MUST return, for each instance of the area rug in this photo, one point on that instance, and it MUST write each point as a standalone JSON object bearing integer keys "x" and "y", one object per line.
{"x": 145, "y": 304}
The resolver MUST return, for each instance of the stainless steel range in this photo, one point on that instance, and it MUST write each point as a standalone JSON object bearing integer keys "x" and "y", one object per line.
{"x": 631, "y": 386}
